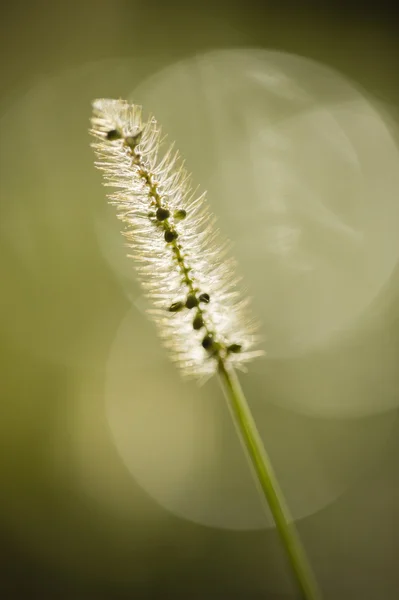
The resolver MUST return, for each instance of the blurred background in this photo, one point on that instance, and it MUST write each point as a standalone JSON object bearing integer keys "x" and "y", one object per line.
{"x": 118, "y": 479}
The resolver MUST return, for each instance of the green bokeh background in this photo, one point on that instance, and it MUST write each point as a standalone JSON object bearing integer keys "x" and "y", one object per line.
{"x": 74, "y": 522}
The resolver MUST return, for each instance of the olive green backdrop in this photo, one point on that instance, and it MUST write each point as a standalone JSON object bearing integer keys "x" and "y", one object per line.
{"x": 117, "y": 480}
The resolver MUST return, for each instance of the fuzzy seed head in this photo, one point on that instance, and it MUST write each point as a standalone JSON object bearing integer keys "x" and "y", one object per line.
{"x": 181, "y": 261}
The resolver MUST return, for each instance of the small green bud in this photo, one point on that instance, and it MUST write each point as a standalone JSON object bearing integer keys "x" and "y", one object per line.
{"x": 180, "y": 214}
{"x": 191, "y": 301}
{"x": 170, "y": 235}
{"x": 162, "y": 213}
{"x": 176, "y": 306}
{"x": 114, "y": 134}
{"x": 204, "y": 298}
{"x": 207, "y": 342}
{"x": 235, "y": 348}
{"x": 133, "y": 140}
{"x": 198, "y": 322}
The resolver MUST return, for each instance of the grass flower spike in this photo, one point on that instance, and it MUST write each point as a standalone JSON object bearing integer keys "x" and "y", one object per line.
{"x": 185, "y": 270}
{"x": 181, "y": 261}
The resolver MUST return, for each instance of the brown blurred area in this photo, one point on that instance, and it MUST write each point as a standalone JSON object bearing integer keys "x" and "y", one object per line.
{"x": 75, "y": 522}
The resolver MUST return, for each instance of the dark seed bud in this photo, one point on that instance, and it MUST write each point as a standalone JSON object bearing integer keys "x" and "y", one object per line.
{"x": 207, "y": 342}
{"x": 179, "y": 215}
{"x": 234, "y": 348}
{"x": 176, "y": 306}
{"x": 198, "y": 322}
{"x": 170, "y": 235}
{"x": 133, "y": 140}
{"x": 191, "y": 301}
{"x": 114, "y": 134}
{"x": 204, "y": 298}
{"x": 162, "y": 213}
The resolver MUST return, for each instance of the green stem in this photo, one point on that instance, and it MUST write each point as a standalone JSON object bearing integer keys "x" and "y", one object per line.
{"x": 268, "y": 483}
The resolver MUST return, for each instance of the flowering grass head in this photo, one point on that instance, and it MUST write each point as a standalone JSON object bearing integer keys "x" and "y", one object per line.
{"x": 185, "y": 269}
{"x": 182, "y": 262}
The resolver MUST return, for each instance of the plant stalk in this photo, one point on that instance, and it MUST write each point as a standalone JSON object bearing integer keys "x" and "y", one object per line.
{"x": 268, "y": 483}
